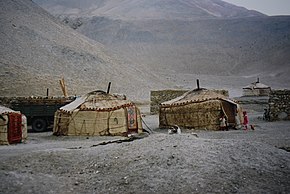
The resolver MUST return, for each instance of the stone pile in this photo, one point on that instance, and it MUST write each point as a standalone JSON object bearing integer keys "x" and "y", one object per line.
{"x": 279, "y": 105}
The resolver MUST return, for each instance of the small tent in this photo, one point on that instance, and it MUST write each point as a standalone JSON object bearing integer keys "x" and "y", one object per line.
{"x": 199, "y": 109}
{"x": 256, "y": 89}
{"x": 13, "y": 126}
{"x": 98, "y": 113}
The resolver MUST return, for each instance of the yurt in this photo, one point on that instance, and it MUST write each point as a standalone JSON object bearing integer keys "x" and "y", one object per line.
{"x": 199, "y": 109}
{"x": 98, "y": 113}
{"x": 256, "y": 89}
{"x": 13, "y": 126}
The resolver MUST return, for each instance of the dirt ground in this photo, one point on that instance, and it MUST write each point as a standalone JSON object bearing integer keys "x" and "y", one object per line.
{"x": 235, "y": 161}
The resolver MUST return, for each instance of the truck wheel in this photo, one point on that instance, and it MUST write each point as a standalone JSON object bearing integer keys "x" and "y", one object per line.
{"x": 39, "y": 125}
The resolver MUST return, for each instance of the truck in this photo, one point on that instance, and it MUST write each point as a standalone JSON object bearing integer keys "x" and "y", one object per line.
{"x": 39, "y": 110}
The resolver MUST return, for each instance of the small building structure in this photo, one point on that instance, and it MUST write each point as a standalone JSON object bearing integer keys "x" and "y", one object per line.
{"x": 199, "y": 109}
{"x": 98, "y": 113}
{"x": 256, "y": 89}
{"x": 13, "y": 126}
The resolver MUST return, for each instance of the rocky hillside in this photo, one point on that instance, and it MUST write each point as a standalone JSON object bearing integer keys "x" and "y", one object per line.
{"x": 37, "y": 50}
{"x": 186, "y": 36}
{"x": 147, "y": 9}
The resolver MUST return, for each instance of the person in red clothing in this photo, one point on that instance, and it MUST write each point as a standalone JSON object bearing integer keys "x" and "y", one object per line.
{"x": 246, "y": 120}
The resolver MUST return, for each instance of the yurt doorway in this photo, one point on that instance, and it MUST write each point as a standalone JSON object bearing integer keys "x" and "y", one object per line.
{"x": 132, "y": 119}
{"x": 229, "y": 110}
{"x": 15, "y": 128}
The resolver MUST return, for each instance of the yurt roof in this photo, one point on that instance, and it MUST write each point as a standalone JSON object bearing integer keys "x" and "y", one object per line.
{"x": 196, "y": 96}
{"x": 98, "y": 101}
{"x": 5, "y": 110}
{"x": 256, "y": 85}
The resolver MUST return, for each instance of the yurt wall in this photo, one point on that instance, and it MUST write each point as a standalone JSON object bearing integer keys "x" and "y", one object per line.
{"x": 97, "y": 123}
{"x": 265, "y": 92}
{"x": 202, "y": 115}
{"x": 256, "y": 91}
{"x": 4, "y": 130}
{"x": 250, "y": 92}
{"x": 91, "y": 123}
{"x": 61, "y": 122}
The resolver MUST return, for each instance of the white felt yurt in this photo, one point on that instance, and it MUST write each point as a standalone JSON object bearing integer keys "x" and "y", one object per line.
{"x": 256, "y": 89}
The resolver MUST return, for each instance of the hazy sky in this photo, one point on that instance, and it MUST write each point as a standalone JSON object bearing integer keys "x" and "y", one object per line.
{"x": 268, "y": 7}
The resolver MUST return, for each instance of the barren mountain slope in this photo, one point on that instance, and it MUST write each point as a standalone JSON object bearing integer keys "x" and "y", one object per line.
{"x": 187, "y": 36}
{"x": 37, "y": 50}
{"x": 147, "y": 9}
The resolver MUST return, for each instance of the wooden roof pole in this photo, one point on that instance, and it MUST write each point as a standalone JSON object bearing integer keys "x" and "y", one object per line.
{"x": 63, "y": 87}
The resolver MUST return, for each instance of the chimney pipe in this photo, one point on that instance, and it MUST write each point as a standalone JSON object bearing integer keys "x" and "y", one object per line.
{"x": 258, "y": 80}
{"x": 197, "y": 83}
{"x": 109, "y": 87}
{"x": 47, "y": 92}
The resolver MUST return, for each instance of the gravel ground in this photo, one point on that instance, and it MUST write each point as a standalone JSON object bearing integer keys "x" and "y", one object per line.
{"x": 234, "y": 161}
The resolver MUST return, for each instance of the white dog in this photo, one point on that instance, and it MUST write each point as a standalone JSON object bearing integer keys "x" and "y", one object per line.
{"x": 175, "y": 129}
